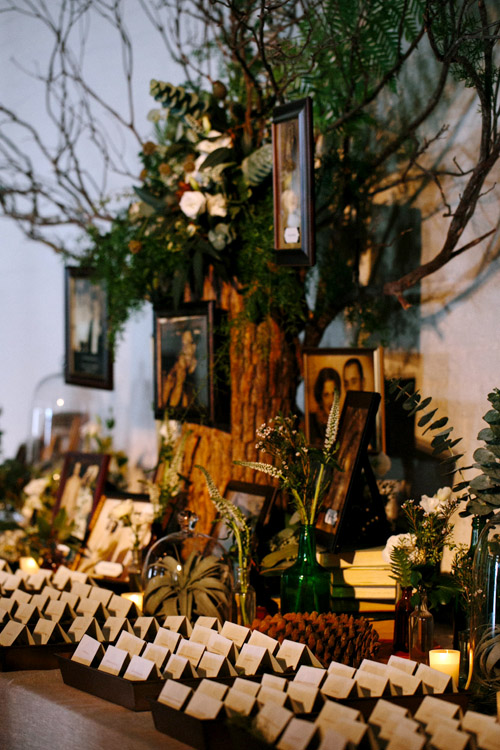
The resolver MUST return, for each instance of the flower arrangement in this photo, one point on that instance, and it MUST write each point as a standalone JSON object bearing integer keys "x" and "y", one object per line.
{"x": 138, "y": 523}
{"x": 301, "y": 468}
{"x": 170, "y": 457}
{"x": 415, "y": 557}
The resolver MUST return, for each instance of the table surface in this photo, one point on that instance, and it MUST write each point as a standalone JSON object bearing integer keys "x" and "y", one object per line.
{"x": 40, "y": 712}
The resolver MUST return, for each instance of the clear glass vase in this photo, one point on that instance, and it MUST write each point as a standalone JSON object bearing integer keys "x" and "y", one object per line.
{"x": 305, "y": 586}
{"x": 401, "y": 638}
{"x": 421, "y": 631}
{"x": 244, "y": 598}
{"x": 485, "y": 621}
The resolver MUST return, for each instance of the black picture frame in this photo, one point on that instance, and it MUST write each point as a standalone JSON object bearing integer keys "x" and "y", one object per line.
{"x": 80, "y": 488}
{"x": 88, "y": 357}
{"x": 191, "y": 369}
{"x": 293, "y": 183}
{"x": 350, "y": 368}
{"x": 355, "y": 430}
{"x": 256, "y": 501}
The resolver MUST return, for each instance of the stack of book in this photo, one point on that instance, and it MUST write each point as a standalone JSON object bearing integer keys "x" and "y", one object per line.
{"x": 361, "y": 581}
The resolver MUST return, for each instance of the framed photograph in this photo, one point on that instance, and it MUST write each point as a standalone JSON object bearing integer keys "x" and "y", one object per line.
{"x": 189, "y": 381}
{"x": 255, "y": 501}
{"x": 88, "y": 359}
{"x": 111, "y": 539}
{"x": 344, "y": 370}
{"x": 81, "y": 486}
{"x": 356, "y": 424}
{"x": 293, "y": 183}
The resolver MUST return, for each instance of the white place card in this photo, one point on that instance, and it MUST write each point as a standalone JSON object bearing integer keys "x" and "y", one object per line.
{"x": 84, "y": 625}
{"x": 40, "y": 600}
{"x": 203, "y": 706}
{"x": 261, "y": 639}
{"x": 130, "y": 643}
{"x": 433, "y": 681}
{"x": 4, "y": 616}
{"x": 179, "y": 624}
{"x": 332, "y": 740}
{"x": 302, "y": 697}
{"x": 61, "y": 577}
{"x": 236, "y": 703}
{"x": 402, "y": 683}
{"x": 179, "y": 667}
{"x": 71, "y": 599}
{"x": 251, "y": 659}
{"x": 7, "y": 604}
{"x": 115, "y": 661}
{"x": 21, "y": 597}
{"x": 57, "y": 610}
{"x": 175, "y": 694}
{"x": 16, "y": 632}
{"x": 298, "y": 735}
{"x": 89, "y": 651}
{"x": 445, "y": 738}
{"x": 490, "y": 738}
{"x": 311, "y": 675}
{"x": 103, "y": 595}
{"x": 476, "y": 723}
{"x": 118, "y": 606}
{"x": 146, "y": 628}
{"x": 48, "y": 631}
{"x": 51, "y": 591}
{"x": 78, "y": 576}
{"x": 192, "y": 651}
{"x": 269, "y": 694}
{"x": 140, "y": 669}
{"x": 338, "y": 687}
{"x": 213, "y": 688}
{"x": 201, "y": 634}
{"x": 218, "y": 644}
{"x": 411, "y": 741}
{"x": 441, "y": 721}
{"x": 208, "y": 622}
{"x": 272, "y": 720}
{"x": 375, "y": 667}
{"x": 238, "y": 634}
{"x": 332, "y": 711}
{"x": 246, "y": 686}
{"x": 273, "y": 681}
{"x": 81, "y": 589}
{"x": 94, "y": 608}
{"x": 385, "y": 711}
{"x": 405, "y": 665}
{"x": 371, "y": 685}
{"x": 431, "y": 706}
{"x": 290, "y": 654}
{"x": 215, "y": 665}
{"x": 28, "y": 614}
{"x": 397, "y": 726}
{"x": 167, "y": 638}
{"x": 159, "y": 654}
{"x": 113, "y": 626}
{"x": 12, "y": 583}
{"x": 354, "y": 731}
{"x": 36, "y": 581}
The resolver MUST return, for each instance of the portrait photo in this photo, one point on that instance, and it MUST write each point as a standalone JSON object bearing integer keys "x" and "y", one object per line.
{"x": 88, "y": 359}
{"x": 329, "y": 370}
{"x": 255, "y": 501}
{"x": 80, "y": 488}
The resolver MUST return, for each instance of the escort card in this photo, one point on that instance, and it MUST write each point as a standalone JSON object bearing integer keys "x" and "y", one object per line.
{"x": 81, "y": 589}
{"x": 268, "y": 694}
{"x": 103, "y": 595}
{"x": 476, "y": 723}
{"x": 36, "y": 581}
{"x": 332, "y": 711}
{"x": 71, "y": 599}
{"x": 55, "y": 609}
{"x": 411, "y": 741}
{"x": 113, "y": 626}
{"x": 261, "y": 639}
{"x": 213, "y": 688}
{"x": 120, "y": 607}
{"x": 21, "y": 597}
{"x": 16, "y": 632}
{"x": 28, "y": 614}
{"x": 4, "y": 616}
{"x": 297, "y": 735}
{"x": 371, "y": 685}
{"x": 253, "y": 658}
{"x": 302, "y": 697}
{"x": 7, "y": 604}
{"x": 179, "y": 667}
{"x": 367, "y": 665}
{"x": 236, "y": 703}
{"x": 311, "y": 675}
{"x": 355, "y": 731}
{"x": 272, "y": 720}
{"x": 291, "y": 654}
{"x": 215, "y": 665}
{"x": 48, "y": 631}
{"x": 61, "y": 577}
{"x": 442, "y": 721}
{"x": 40, "y": 600}
{"x": 4, "y": 567}
{"x": 431, "y": 706}
{"x": 11, "y": 583}
{"x": 208, "y": 622}
{"x": 94, "y": 608}
{"x": 273, "y": 681}
{"x": 179, "y": 624}
{"x": 402, "y": 683}
{"x": 146, "y": 628}
{"x": 246, "y": 686}
{"x": 332, "y": 740}
{"x": 397, "y": 726}
{"x": 84, "y": 625}
{"x": 89, "y": 651}
{"x": 167, "y": 638}
{"x": 174, "y": 694}
{"x": 406, "y": 665}
{"x": 385, "y": 711}
{"x": 432, "y": 680}
{"x": 445, "y": 738}
{"x": 159, "y": 654}
{"x": 51, "y": 591}
{"x": 338, "y": 687}
{"x": 201, "y": 634}
{"x": 140, "y": 669}
{"x": 218, "y": 644}
{"x": 238, "y": 634}
{"x": 490, "y": 738}
{"x": 203, "y": 706}
{"x": 115, "y": 661}
{"x": 78, "y": 577}
{"x": 130, "y": 643}
{"x": 192, "y": 651}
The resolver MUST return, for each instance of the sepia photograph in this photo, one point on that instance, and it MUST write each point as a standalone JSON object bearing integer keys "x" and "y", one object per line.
{"x": 80, "y": 488}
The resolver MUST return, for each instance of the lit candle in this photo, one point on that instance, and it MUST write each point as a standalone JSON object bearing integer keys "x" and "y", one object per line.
{"x": 446, "y": 660}
{"x": 28, "y": 565}
{"x": 134, "y": 596}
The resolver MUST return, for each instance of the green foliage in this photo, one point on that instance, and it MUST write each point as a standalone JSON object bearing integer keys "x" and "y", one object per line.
{"x": 485, "y": 487}
{"x": 401, "y": 567}
{"x": 14, "y": 476}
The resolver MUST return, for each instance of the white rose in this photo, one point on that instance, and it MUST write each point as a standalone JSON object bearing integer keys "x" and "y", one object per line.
{"x": 217, "y": 205}
{"x": 220, "y": 236}
{"x": 445, "y": 494}
{"x": 437, "y": 502}
{"x": 192, "y": 203}
{"x": 126, "y": 508}
{"x": 397, "y": 540}
{"x": 36, "y": 486}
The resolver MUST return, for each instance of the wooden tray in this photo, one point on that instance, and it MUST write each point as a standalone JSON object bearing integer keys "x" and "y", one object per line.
{"x": 202, "y": 734}
{"x": 411, "y": 702}
{"x": 14, "y": 658}
{"x": 130, "y": 694}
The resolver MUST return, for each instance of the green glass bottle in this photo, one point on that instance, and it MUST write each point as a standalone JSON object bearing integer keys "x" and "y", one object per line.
{"x": 305, "y": 586}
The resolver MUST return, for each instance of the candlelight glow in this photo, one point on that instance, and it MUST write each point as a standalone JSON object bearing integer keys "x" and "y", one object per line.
{"x": 446, "y": 660}
{"x": 28, "y": 565}
{"x": 134, "y": 596}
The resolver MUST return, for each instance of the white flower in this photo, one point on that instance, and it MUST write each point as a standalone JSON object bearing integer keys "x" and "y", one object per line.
{"x": 170, "y": 430}
{"x": 36, "y": 486}
{"x": 220, "y": 236}
{"x": 90, "y": 429}
{"x": 397, "y": 540}
{"x": 192, "y": 203}
{"x": 216, "y": 205}
{"x": 207, "y": 146}
{"x": 125, "y": 508}
{"x": 438, "y": 502}
{"x": 30, "y": 505}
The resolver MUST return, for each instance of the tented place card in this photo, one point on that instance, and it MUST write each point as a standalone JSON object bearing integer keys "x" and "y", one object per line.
{"x": 21, "y": 597}
{"x": 61, "y": 577}
{"x": 268, "y": 694}
{"x": 59, "y": 611}
{"x": 7, "y": 604}
{"x": 397, "y": 727}
{"x": 203, "y": 706}
{"x": 405, "y": 665}
{"x": 120, "y": 607}
{"x": 167, "y": 638}
{"x": 85, "y": 625}
{"x": 208, "y": 622}
{"x": 385, "y": 711}
{"x": 332, "y": 740}
{"x": 291, "y": 655}
{"x": 175, "y": 694}
{"x": 311, "y": 675}
{"x": 201, "y": 634}
{"x": 237, "y": 703}
{"x": 146, "y": 627}
{"x": 411, "y": 741}
{"x": 215, "y": 665}
{"x": 368, "y": 665}
{"x": 211, "y": 687}
{"x": 439, "y": 720}
{"x": 94, "y": 608}
{"x": 246, "y": 686}
{"x": 433, "y": 681}
{"x": 338, "y": 687}
{"x": 272, "y": 720}
{"x": 52, "y": 592}
{"x": 261, "y": 639}
{"x": 475, "y": 723}
{"x": 218, "y": 644}
{"x": 159, "y": 654}
{"x": 430, "y": 706}
{"x": 113, "y": 626}
{"x": 192, "y": 651}
{"x": 445, "y": 738}
{"x": 71, "y": 599}
{"x": 298, "y": 735}
{"x": 81, "y": 589}
{"x": 131, "y": 643}
{"x": 16, "y": 633}
{"x": 178, "y": 667}
{"x": 302, "y": 697}
{"x": 238, "y": 634}
{"x": 40, "y": 600}
{"x": 332, "y": 711}
{"x": 28, "y": 614}
{"x": 272, "y": 680}
{"x": 115, "y": 661}
{"x": 371, "y": 685}
{"x": 140, "y": 669}
{"x": 103, "y": 595}
{"x": 254, "y": 658}
{"x": 402, "y": 683}
{"x": 89, "y": 651}
{"x": 47, "y": 631}
{"x": 179, "y": 624}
